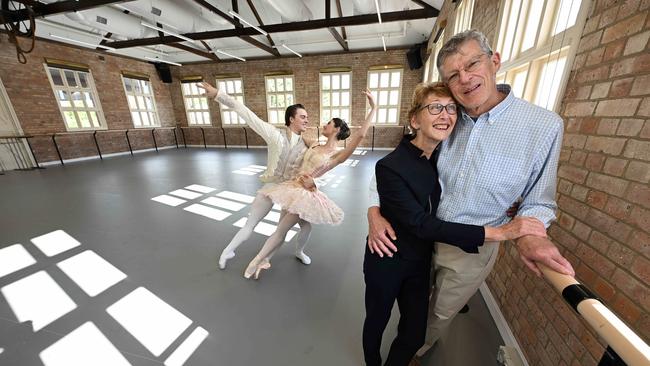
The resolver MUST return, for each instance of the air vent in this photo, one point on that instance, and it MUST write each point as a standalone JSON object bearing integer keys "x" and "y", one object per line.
{"x": 101, "y": 20}
{"x": 156, "y": 11}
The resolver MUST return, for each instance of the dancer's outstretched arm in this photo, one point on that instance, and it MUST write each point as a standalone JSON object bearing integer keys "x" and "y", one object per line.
{"x": 357, "y": 137}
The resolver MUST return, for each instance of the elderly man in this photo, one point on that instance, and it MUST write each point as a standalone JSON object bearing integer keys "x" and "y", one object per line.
{"x": 503, "y": 149}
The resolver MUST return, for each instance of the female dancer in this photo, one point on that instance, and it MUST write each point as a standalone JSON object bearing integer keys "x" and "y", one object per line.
{"x": 409, "y": 192}
{"x": 310, "y": 204}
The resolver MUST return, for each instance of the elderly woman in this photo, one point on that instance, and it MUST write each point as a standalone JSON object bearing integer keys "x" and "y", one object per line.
{"x": 409, "y": 192}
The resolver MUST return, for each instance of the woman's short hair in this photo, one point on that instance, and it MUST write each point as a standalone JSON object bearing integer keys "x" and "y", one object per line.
{"x": 344, "y": 131}
{"x": 291, "y": 112}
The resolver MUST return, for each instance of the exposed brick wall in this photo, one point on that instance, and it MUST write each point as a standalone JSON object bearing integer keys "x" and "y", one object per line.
{"x": 33, "y": 100}
{"x": 603, "y": 224}
{"x": 36, "y": 108}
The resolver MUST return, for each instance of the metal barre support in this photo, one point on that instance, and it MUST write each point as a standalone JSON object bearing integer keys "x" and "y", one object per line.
{"x": 245, "y": 137}
{"x": 97, "y": 145}
{"x": 153, "y": 130}
{"x": 128, "y": 141}
{"x": 225, "y": 144}
{"x": 56, "y": 146}
{"x": 205, "y": 146}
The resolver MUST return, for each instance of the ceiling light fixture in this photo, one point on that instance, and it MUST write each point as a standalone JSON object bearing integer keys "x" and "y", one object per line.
{"x": 378, "y": 12}
{"x": 247, "y": 22}
{"x": 290, "y": 50}
{"x": 383, "y": 41}
{"x": 230, "y": 55}
{"x": 82, "y": 42}
{"x": 167, "y": 32}
{"x": 163, "y": 61}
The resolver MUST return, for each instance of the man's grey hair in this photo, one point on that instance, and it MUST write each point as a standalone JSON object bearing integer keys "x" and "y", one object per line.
{"x": 453, "y": 44}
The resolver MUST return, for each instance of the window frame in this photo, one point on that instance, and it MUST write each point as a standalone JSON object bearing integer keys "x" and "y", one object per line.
{"x": 278, "y": 111}
{"x": 464, "y": 16}
{"x": 331, "y": 91}
{"x": 198, "y": 95}
{"x": 99, "y": 113}
{"x": 224, "y": 109}
{"x": 150, "y": 112}
{"x": 544, "y": 50}
{"x": 377, "y": 91}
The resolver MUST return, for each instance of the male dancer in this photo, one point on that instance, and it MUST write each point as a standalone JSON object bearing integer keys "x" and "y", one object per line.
{"x": 285, "y": 153}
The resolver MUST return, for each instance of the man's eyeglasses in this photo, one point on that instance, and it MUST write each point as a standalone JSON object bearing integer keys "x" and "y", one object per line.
{"x": 472, "y": 66}
{"x": 436, "y": 108}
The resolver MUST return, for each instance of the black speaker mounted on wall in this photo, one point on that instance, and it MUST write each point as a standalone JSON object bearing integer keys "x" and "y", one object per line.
{"x": 414, "y": 57}
{"x": 164, "y": 73}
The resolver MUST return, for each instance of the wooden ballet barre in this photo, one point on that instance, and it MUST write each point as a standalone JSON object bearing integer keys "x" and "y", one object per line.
{"x": 623, "y": 341}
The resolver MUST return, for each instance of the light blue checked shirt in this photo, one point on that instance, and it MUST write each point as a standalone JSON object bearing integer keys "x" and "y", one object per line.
{"x": 510, "y": 152}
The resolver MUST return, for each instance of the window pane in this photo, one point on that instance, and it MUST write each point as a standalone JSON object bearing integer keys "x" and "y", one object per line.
{"x": 70, "y": 119}
{"x": 345, "y": 98}
{"x": 199, "y": 117}
{"x": 56, "y": 76}
{"x": 140, "y": 102}
{"x": 206, "y": 117}
{"x": 382, "y": 115}
{"x": 290, "y": 99}
{"x": 226, "y": 118}
{"x": 93, "y": 118}
{"x": 392, "y": 115}
{"x": 281, "y": 101}
{"x": 326, "y": 82}
{"x": 345, "y": 81}
{"x": 145, "y": 118}
{"x": 64, "y": 100}
{"x": 270, "y": 85}
{"x": 194, "y": 89}
{"x": 136, "y": 119}
{"x": 204, "y": 103}
{"x": 230, "y": 87}
{"x": 238, "y": 86}
{"x": 336, "y": 82}
{"x": 326, "y": 99}
{"x": 383, "y": 97}
{"x": 288, "y": 84}
{"x": 394, "y": 79}
{"x": 393, "y": 100}
{"x": 90, "y": 103}
{"x": 153, "y": 119}
{"x": 274, "y": 117}
{"x": 148, "y": 103}
{"x": 345, "y": 114}
{"x": 374, "y": 80}
{"x": 519, "y": 83}
{"x": 145, "y": 87}
{"x": 335, "y": 99}
{"x": 280, "y": 84}
{"x": 549, "y": 83}
{"x": 83, "y": 79}
{"x": 566, "y": 15}
{"x": 69, "y": 77}
{"x": 326, "y": 116}
{"x": 534, "y": 20}
{"x": 273, "y": 102}
{"x": 186, "y": 88}
{"x": 127, "y": 85}
{"x": 192, "y": 118}
{"x": 383, "y": 82}
{"x": 221, "y": 85}
{"x": 83, "y": 119}
{"x": 77, "y": 99}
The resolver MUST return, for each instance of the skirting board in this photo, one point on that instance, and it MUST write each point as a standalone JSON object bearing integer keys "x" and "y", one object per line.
{"x": 502, "y": 325}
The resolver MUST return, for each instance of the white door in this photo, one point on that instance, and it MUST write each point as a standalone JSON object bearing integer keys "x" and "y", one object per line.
{"x": 14, "y": 153}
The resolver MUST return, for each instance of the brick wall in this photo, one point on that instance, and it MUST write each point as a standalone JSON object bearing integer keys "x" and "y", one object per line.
{"x": 33, "y": 100}
{"x": 603, "y": 224}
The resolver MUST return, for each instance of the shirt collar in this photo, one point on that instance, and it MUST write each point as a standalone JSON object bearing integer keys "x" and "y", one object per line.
{"x": 414, "y": 150}
{"x": 497, "y": 109}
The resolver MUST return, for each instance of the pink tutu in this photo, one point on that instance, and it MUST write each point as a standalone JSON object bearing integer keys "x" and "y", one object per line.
{"x": 314, "y": 207}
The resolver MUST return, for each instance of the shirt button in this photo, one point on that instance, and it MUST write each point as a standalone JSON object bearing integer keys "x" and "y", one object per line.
{"x": 462, "y": 175}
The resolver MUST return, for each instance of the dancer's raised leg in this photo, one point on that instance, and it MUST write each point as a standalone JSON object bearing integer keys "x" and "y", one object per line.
{"x": 259, "y": 208}
{"x": 261, "y": 260}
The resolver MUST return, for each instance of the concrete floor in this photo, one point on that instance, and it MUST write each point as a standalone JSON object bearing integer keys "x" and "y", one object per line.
{"x": 294, "y": 315}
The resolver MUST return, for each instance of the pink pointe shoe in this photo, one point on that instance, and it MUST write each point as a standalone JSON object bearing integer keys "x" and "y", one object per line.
{"x": 255, "y": 267}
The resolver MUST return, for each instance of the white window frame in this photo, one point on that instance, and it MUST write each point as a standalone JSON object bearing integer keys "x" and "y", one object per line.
{"x": 77, "y": 111}
{"x": 334, "y": 90}
{"x": 196, "y": 103}
{"x": 229, "y": 117}
{"x": 532, "y": 56}
{"x": 137, "y": 102}
{"x": 464, "y": 14}
{"x": 275, "y": 111}
{"x": 431, "y": 69}
{"x": 386, "y": 110}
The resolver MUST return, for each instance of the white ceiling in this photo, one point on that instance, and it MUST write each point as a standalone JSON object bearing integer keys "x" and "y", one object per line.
{"x": 187, "y": 16}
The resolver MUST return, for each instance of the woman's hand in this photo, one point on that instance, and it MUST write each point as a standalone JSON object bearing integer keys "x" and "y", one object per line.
{"x": 307, "y": 182}
{"x": 210, "y": 90}
{"x": 518, "y": 227}
{"x": 370, "y": 97}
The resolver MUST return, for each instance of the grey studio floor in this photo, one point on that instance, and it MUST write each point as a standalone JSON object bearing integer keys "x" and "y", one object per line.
{"x": 294, "y": 315}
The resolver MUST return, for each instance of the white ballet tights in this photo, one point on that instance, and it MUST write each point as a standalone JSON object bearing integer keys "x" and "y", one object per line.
{"x": 277, "y": 238}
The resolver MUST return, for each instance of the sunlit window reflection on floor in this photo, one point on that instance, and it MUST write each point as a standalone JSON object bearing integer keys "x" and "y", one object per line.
{"x": 264, "y": 228}
{"x": 184, "y": 193}
{"x": 153, "y": 322}
{"x": 185, "y": 350}
{"x": 168, "y": 200}
{"x": 236, "y": 196}
{"x": 55, "y": 242}
{"x": 250, "y": 170}
{"x": 360, "y": 152}
{"x": 83, "y": 346}
{"x": 38, "y": 298}
{"x": 200, "y": 188}
{"x": 350, "y": 163}
{"x": 13, "y": 258}
{"x": 208, "y": 212}
{"x": 91, "y": 272}
{"x": 222, "y": 203}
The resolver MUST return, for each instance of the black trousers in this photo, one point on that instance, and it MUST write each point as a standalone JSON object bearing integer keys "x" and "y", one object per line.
{"x": 389, "y": 279}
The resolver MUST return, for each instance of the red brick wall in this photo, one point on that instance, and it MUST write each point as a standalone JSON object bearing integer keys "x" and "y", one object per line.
{"x": 33, "y": 100}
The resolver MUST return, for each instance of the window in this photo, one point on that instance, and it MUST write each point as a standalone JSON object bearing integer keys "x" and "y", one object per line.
{"x": 534, "y": 43}
{"x": 77, "y": 98}
{"x": 142, "y": 105}
{"x": 334, "y": 96}
{"x": 464, "y": 13}
{"x": 431, "y": 70}
{"x": 385, "y": 86}
{"x": 234, "y": 87}
{"x": 279, "y": 95}
{"x": 196, "y": 103}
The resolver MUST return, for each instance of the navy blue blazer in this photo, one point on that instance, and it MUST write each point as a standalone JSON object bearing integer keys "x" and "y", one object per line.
{"x": 409, "y": 193}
